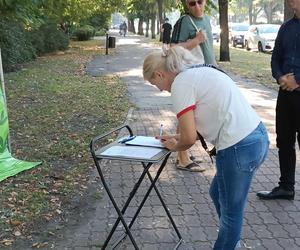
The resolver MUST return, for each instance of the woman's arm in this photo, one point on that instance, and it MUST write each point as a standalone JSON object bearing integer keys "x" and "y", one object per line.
{"x": 187, "y": 133}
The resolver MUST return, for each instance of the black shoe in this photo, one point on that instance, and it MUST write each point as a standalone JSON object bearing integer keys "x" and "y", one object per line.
{"x": 276, "y": 193}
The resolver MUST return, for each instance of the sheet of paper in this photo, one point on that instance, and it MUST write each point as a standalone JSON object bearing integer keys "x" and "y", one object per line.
{"x": 131, "y": 152}
{"x": 145, "y": 141}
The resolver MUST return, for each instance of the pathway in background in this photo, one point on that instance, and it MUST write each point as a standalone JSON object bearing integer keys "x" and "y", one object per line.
{"x": 267, "y": 224}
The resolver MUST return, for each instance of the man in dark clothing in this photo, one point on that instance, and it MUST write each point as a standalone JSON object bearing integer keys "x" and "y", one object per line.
{"x": 166, "y": 32}
{"x": 123, "y": 28}
{"x": 286, "y": 70}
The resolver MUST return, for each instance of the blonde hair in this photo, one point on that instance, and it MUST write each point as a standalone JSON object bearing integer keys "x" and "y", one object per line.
{"x": 176, "y": 59}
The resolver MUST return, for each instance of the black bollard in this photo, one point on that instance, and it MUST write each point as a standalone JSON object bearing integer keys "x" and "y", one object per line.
{"x": 106, "y": 44}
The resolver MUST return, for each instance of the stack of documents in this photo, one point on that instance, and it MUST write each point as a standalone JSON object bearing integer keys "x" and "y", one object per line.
{"x": 138, "y": 147}
{"x": 145, "y": 141}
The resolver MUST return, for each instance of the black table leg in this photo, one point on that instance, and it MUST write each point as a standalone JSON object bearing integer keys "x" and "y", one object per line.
{"x": 153, "y": 181}
{"x": 131, "y": 195}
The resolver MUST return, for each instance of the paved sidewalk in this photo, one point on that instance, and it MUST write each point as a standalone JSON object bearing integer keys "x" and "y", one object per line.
{"x": 267, "y": 224}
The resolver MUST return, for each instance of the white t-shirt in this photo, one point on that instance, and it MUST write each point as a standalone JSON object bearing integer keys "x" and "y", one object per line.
{"x": 222, "y": 114}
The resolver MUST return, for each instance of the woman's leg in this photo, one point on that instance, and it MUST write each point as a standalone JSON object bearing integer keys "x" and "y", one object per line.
{"x": 236, "y": 166}
{"x": 214, "y": 194}
{"x": 233, "y": 190}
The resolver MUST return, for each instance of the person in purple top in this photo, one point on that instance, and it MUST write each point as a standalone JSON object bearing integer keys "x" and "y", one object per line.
{"x": 285, "y": 65}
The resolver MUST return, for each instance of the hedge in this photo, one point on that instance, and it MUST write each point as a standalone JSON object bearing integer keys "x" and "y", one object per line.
{"x": 15, "y": 46}
{"x": 84, "y": 33}
{"x": 19, "y": 45}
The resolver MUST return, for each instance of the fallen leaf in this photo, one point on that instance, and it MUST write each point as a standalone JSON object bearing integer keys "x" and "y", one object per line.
{"x": 14, "y": 194}
{"x": 7, "y": 242}
{"x": 40, "y": 245}
{"x": 58, "y": 211}
{"x": 17, "y": 233}
{"x": 15, "y": 222}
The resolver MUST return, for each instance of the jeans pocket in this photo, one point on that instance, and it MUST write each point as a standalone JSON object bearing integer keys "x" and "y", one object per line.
{"x": 248, "y": 156}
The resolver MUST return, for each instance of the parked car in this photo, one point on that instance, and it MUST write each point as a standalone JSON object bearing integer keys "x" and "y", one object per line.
{"x": 216, "y": 33}
{"x": 261, "y": 37}
{"x": 237, "y": 32}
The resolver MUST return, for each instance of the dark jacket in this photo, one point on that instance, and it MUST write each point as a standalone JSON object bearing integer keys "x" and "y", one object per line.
{"x": 286, "y": 53}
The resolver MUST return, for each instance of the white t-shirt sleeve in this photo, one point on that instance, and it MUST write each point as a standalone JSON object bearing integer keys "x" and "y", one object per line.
{"x": 183, "y": 98}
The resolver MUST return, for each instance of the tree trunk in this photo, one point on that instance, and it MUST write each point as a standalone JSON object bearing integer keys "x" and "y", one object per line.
{"x": 224, "y": 45}
{"x": 250, "y": 12}
{"x": 186, "y": 10}
{"x": 255, "y": 14}
{"x": 131, "y": 27}
{"x": 269, "y": 12}
{"x": 153, "y": 35}
{"x": 140, "y": 27}
{"x": 254, "y": 19}
{"x": 288, "y": 12}
{"x": 160, "y": 10}
{"x": 147, "y": 27}
{"x": 157, "y": 27}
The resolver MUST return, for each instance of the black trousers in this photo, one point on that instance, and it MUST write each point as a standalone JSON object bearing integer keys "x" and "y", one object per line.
{"x": 166, "y": 38}
{"x": 287, "y": 130}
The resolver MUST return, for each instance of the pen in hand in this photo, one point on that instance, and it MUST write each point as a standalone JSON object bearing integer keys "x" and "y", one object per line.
{"x": 161, "y": 130}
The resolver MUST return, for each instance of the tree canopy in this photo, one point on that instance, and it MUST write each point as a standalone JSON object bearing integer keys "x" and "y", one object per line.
{"x": 33, "y": 13}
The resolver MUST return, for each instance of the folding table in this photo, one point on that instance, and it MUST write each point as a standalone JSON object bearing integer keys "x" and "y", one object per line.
{"x": 98, "y": 154}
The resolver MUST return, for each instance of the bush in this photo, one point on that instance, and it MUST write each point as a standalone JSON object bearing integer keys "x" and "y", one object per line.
{"x": 84, "y": 33}
{"x": 37, "y": 40}
{"x": 101, "y": 32}
{"x": 19, "y": 46}
{"x": 54, "y": 39}
{"x": 49, "y": 38}
{"x": 14, "y": 44}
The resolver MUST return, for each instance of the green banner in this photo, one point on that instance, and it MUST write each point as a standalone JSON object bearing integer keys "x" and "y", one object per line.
{"x": 9, "y": 166}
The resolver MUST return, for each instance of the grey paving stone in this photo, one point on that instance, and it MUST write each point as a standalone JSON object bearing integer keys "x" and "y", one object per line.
{"x": 278, "y": 231}
{"x": 287, "y": 243}
{"x": 262, "y": 231}
{"x": 272, "y": 244}
{"x": 293, "y": 230}
{"x": 150, "y": 247}
{"x": 253, "y": 244}
{"x": 197, "y": 234}
{"x": 297, "y": 241}
{"x": 165, "y": 235}
{"x": 253, "y": 218}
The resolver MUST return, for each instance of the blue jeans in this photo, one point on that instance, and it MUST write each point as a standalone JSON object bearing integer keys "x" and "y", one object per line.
{"x": 236, "y": 166}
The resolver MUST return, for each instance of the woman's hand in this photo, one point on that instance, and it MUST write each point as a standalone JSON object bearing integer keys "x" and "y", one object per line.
{"x": 167, "y": 137}
{"x": 169, "y": 141}
{"x": 170, "y": 144}
{"x": 187, "y": 136}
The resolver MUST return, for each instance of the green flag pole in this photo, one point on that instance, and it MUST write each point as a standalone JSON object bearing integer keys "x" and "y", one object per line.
{"x": 4, "y": 96}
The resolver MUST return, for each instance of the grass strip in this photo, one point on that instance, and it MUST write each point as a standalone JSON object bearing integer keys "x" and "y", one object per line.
{"x": 54, "y": 111}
